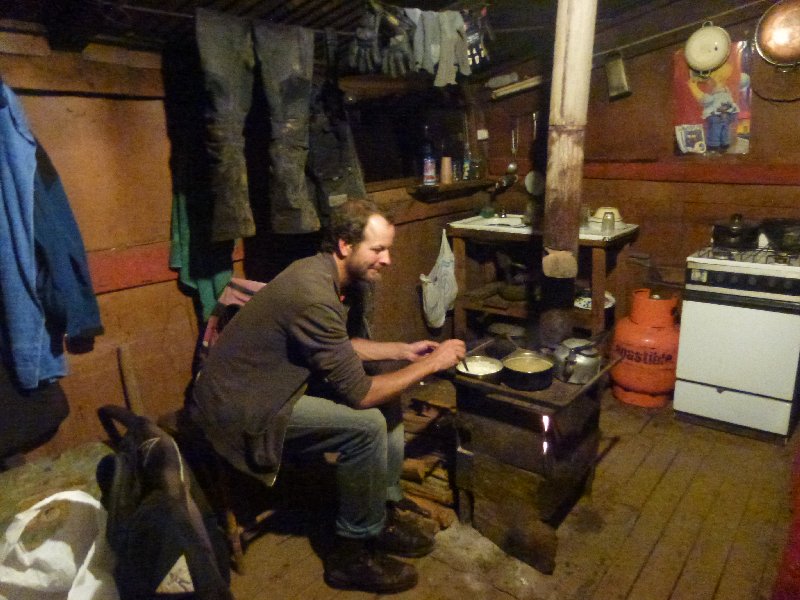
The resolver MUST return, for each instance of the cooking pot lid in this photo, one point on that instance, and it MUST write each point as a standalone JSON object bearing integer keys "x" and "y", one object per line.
{"x": 707, "y": 48}
{"x": 736, "y": 224}
{"x": 586, "y": 347}
{"x": 778, "y": 34}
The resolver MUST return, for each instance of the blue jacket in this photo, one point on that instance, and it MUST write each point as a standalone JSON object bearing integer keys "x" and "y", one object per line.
{"x": 63, "y": 281}
{"x": 31, "y": 341}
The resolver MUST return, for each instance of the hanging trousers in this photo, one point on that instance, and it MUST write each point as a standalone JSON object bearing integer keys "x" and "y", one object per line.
{"x": 231, "y": 50}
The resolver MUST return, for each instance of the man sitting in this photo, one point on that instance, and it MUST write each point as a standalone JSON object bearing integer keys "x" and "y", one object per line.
{"x": 286, "y": 379}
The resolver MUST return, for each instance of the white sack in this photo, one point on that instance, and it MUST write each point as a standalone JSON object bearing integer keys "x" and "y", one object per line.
{"x": 73, "y": 563}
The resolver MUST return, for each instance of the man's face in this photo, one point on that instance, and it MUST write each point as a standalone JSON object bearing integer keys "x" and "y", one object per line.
{"x": 365, "y": 260}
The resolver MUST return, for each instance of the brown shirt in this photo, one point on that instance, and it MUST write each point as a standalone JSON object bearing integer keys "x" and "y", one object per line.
{"x": 293, "y": 329}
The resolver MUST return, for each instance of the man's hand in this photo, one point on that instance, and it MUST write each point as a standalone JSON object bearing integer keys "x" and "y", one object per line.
{"x": 386, "y": 386}
{"x": 418, "y": 350}
{"x": 447, "y": 354}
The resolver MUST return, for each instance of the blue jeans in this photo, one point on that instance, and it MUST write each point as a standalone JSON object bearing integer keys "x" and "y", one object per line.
{"x": 231, "y": 49}
{"x": 371, "y": 446}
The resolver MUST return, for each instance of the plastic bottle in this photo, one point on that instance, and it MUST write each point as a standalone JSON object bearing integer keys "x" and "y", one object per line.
{"x": 428, "y": 159}
{"x": 466, "y": 167}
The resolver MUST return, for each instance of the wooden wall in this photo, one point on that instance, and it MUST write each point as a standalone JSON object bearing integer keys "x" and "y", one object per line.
{"x": 100, "y": 116}
{"x": 630, "y": 163}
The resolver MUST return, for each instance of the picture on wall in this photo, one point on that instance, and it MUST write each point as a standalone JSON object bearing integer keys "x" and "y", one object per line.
{"x": 712, "y": 110}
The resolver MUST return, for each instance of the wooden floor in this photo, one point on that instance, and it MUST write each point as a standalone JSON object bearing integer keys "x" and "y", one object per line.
{"x": 676, "y": 511}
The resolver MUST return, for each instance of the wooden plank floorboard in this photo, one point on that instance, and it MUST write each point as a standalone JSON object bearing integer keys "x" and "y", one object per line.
{"x": 655, "y": 490}
{"x": 588, "y": 542}
{"x": 677, "y": 511}
{"x": 706, "y": 560}
{"x": 683, "y": 513}
{"x": 749, "y": 554}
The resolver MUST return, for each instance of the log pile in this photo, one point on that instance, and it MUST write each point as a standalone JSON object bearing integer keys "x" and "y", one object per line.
{"x": 429, "y": 420}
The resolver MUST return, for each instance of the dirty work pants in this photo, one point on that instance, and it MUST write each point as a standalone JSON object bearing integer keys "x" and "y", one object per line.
{"x": 332, "y": 159}
{"x": 370, "y": 444}
{"x": 231, "y": 49}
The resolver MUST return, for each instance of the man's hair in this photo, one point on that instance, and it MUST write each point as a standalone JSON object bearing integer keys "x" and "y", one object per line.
{"x": 347, "y": 223}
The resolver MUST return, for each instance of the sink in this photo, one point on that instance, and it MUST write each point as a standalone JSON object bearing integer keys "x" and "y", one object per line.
{"x": 509, "y": 223}
{"x": 513, "y": 224}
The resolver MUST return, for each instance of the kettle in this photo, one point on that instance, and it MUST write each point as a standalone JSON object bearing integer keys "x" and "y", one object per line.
{"x": 576, "y": 360}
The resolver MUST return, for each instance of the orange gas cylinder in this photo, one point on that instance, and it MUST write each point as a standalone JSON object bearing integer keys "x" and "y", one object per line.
{"x": 647, "y": 341}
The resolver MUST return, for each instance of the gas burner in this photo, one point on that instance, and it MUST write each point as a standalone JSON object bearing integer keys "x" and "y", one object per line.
{"x": 780, "y": 258}
{"x": 721, "y": 253}
{"x": 783, "y": 258}
{"x": 761, "y": 256}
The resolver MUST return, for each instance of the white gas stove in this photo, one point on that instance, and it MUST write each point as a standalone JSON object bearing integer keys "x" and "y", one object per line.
{"x": 755, "y": 273}
{"x": 739, "y": 346}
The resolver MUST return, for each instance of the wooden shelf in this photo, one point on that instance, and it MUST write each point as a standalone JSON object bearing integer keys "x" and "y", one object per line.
{"x": 486, "y": 298}
{"x": 439, "y": 192}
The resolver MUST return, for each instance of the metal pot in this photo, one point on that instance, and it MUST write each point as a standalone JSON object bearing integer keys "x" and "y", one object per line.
{"x": 735, "y": 233}
{"x": 576, "y": 360}
{"x": 776, "y": 40}
{"x": 527, "y": 370}
{"x": 484, "y": 368}
{"x": 783, "y": 234}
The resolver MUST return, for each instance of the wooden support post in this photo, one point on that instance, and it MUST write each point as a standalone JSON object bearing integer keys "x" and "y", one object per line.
{"x": 569, "y": 101}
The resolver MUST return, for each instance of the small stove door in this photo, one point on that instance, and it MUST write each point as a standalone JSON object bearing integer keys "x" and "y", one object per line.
{"x": 745, "y": 349}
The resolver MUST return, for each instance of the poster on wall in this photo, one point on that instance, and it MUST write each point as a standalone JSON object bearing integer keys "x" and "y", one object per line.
{"x": 712, "y": 111}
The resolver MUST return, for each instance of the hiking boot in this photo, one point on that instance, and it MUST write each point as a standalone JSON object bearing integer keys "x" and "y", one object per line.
{"x": 403, "y": 537}
{"x": 358, "y": 565}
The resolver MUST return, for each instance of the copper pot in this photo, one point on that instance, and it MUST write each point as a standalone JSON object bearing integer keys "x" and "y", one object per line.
{"x": 776, "y": 40}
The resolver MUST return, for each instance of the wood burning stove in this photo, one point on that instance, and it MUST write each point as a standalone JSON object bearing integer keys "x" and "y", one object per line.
{"x": 523, "y": 459}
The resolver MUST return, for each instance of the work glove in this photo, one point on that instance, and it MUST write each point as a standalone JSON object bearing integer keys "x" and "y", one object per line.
{"x": 364, "y": 55}
{"x": 397, "y": 58}
{"x": 397, "y": 55}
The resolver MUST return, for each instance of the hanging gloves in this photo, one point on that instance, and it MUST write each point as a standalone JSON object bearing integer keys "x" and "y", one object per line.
{"x": 397, "y": 55}
{"x": 364, "y": 54}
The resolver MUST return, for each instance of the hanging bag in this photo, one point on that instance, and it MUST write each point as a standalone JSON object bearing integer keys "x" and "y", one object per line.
{"x": 439, "y": 287}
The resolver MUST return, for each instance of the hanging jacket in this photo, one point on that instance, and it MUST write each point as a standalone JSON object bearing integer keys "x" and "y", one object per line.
{"x": 24, "y": 342}
{"x": 45, "y": 290}
{"x": 64, "y": 284}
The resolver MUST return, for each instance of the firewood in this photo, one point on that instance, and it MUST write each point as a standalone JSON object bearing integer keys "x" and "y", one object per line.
{"x": 441, "y": 495}
{"x": 443, "y": 515}
{"x": 416, "y": 469}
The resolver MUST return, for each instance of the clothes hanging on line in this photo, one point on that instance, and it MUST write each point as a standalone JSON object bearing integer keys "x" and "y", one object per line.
{"x": 45, "y": 288}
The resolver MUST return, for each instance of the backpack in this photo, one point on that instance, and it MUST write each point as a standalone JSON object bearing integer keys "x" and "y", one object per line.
{"x": 165, "y": 537}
